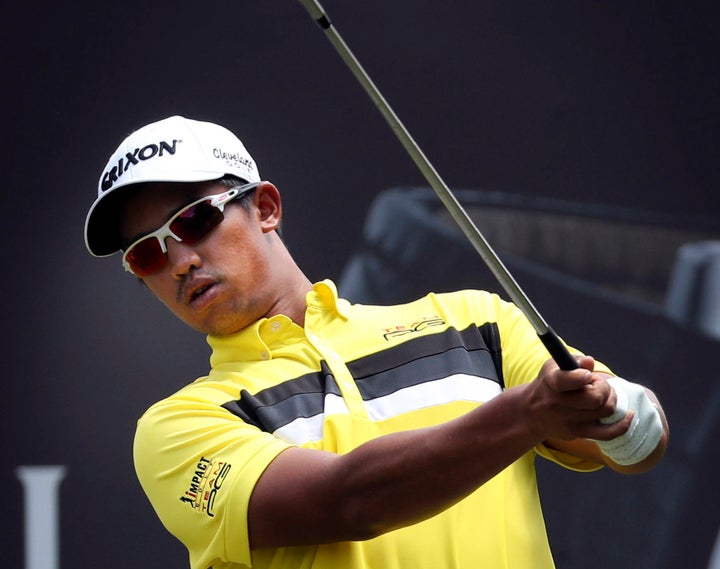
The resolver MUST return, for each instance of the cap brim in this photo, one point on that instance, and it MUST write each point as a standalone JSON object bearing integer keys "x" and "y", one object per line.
{"x": 102, "y": 235}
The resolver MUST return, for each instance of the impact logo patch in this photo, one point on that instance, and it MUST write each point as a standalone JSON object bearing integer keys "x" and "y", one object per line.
{"x": 205, "y": 484}
{"x": 417, "y": 326}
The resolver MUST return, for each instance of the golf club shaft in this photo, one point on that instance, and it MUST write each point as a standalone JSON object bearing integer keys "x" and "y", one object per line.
{"x": 551, "y": 341}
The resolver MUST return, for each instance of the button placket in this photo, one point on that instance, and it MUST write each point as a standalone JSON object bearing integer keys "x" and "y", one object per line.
{"x": 342, "y": 375}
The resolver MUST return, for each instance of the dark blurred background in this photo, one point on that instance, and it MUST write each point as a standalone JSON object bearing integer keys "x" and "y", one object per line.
{"x": 595, "y": 123}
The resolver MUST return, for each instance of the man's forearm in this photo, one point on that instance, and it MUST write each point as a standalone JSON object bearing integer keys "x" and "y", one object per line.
{"x": 389, "y": 482}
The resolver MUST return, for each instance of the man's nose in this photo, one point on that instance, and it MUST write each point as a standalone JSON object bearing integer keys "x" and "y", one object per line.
{"x": 181, "y": 257}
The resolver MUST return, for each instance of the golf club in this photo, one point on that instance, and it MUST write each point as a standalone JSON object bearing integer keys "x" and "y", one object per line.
{"x": 552, "y": 342}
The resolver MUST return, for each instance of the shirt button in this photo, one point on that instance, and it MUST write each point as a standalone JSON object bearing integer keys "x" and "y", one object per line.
{"x": 264, "y": 355}
{"x": 275, "y": 326}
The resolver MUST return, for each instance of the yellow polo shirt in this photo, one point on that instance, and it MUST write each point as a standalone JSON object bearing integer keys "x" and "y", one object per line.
{"x": 353, "y": 373}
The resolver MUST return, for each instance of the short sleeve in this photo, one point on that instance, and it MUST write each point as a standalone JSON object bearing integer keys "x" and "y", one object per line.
{"x": 198, "y": 465}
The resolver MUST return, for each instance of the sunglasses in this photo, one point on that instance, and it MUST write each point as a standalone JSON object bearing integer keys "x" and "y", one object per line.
{"x": 192, "y": 223}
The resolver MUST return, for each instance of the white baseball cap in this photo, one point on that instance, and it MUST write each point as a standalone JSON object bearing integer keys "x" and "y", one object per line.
{"x": 175, "y": 149}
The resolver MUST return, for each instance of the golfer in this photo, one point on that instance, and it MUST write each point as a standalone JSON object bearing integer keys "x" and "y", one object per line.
{"x": 332, "y": 435}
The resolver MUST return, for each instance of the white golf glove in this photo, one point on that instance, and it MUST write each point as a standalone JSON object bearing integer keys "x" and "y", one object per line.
{"x": 646, "y": 428}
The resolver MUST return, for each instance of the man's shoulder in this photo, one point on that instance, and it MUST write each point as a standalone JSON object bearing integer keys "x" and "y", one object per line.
{"x": 450, "y": 296}
{"x": 478, "y": 302}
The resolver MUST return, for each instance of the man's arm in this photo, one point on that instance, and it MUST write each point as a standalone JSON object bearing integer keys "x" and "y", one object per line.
{"x": 310, "y": 497}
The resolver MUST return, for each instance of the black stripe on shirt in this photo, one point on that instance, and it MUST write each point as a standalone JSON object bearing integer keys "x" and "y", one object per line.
{"x": 473, "y": 351}
{"x": 276, "y": 406}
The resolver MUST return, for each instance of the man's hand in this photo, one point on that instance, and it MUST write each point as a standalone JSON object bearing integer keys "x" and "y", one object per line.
{"x": 580, "y": 413}
{"x": 567, "y": 405}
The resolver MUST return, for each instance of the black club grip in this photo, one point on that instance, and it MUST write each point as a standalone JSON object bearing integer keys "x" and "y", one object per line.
{"x": 558, "y": 351}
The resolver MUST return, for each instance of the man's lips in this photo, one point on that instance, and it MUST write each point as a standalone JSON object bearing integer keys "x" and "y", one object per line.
{"x": 196, "y": 291}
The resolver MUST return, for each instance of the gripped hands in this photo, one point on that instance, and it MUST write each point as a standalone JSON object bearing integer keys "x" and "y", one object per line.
{"x": 569, "y": 404}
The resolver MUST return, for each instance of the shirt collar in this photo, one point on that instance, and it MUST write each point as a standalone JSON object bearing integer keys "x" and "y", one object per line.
{"x": 324, "y": 295}
{"x": 256, "y": 341}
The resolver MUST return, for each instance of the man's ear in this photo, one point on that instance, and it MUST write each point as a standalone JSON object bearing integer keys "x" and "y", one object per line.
{"x": 269, "y": 206}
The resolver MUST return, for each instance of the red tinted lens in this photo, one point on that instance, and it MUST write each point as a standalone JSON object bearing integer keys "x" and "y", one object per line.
{"x": 146, "y": 257}
{"x": 191, "y": 225}
{"x": 196, "y": 222}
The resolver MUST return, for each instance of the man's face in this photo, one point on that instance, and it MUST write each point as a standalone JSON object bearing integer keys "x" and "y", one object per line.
{"x": 224, "y": 282}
